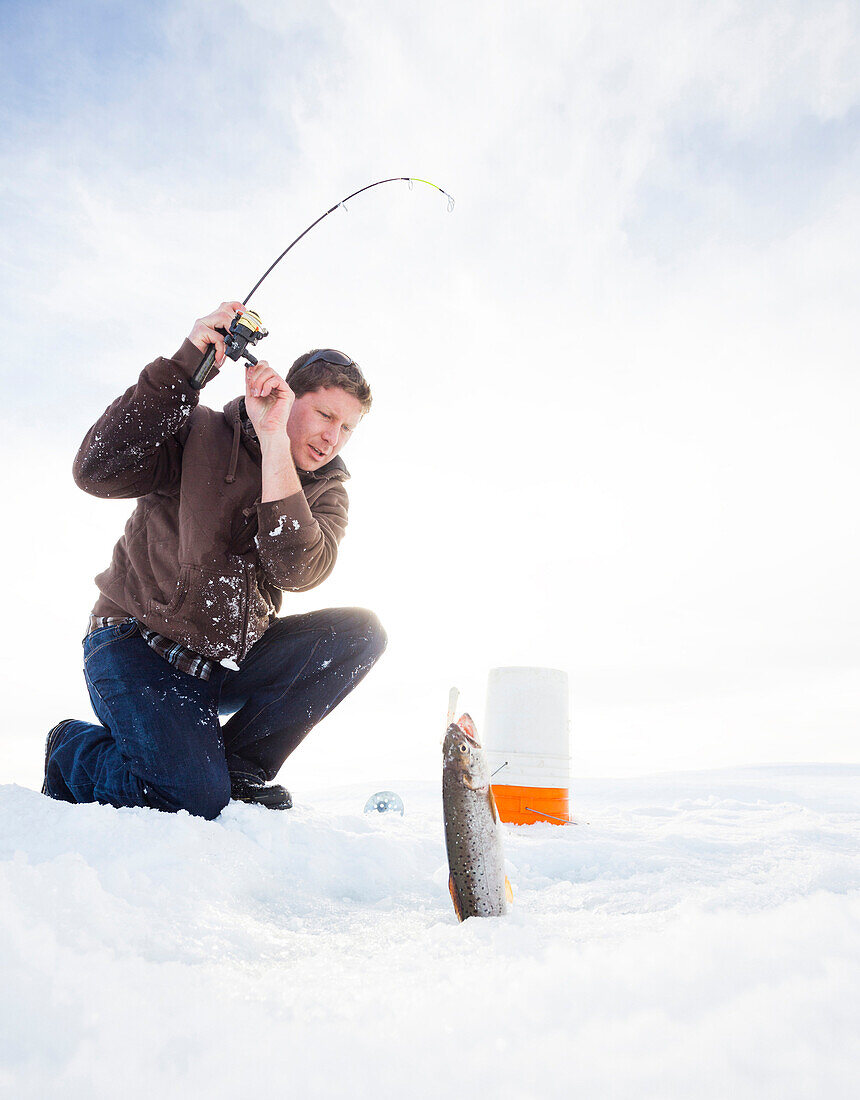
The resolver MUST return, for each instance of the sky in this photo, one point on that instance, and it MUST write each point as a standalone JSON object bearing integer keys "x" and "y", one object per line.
{"x": 614, "y": 389}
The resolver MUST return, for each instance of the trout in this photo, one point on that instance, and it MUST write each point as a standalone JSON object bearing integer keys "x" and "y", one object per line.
{"x": 473, "y": 835}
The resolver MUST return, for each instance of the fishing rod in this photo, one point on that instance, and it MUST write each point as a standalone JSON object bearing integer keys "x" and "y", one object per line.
{"x": 246, "y": 327}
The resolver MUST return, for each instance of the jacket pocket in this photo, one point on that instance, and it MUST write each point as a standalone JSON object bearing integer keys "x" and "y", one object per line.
{"x": 207, "y": 612}
{"x": 166, "y": 610}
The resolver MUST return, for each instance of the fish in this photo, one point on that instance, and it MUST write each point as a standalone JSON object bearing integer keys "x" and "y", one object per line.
{"x": 473, "y": 833}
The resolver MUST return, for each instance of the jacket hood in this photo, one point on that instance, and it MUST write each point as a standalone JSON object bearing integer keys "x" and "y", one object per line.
{"x": 243, "y": 432}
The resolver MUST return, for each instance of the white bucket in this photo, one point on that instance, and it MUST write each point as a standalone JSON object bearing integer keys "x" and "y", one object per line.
{"x": 527, "y": 739}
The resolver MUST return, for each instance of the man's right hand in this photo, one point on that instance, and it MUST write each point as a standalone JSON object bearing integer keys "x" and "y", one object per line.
{"x": 205, "y": 329}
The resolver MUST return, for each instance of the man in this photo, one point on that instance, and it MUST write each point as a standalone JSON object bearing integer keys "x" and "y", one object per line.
{"x": 234, "y": 508}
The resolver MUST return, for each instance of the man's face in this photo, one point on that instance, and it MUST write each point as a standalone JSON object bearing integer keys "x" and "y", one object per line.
{"x": 320, "y": 423}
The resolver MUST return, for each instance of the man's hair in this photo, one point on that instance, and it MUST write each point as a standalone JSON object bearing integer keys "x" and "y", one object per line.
{"x": 322, "y": 375}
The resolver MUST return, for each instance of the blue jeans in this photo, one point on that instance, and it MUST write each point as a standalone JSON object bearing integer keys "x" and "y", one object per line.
{"x": 161, "y": 744}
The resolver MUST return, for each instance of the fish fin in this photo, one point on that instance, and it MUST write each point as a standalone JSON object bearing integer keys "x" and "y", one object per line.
{"x": 509, "y": 893}
{"x": 458, "y": 909}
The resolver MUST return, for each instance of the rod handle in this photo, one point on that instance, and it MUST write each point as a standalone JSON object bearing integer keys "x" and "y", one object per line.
{"x": 199, "y": 377}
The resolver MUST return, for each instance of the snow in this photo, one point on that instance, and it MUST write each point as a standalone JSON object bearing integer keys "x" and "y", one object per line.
{"x": 694, "y": 936}
{"x": 279, "y": 528}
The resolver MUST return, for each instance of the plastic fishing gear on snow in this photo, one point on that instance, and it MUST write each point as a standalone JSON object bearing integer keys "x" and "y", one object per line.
{"x": 384, "y": 802}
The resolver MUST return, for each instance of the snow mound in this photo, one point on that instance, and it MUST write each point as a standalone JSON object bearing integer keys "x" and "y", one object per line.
{"x": 692, "y": 936}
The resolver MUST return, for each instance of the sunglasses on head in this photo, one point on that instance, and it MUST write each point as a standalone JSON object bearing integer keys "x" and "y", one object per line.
{"x": 329, "y": 355}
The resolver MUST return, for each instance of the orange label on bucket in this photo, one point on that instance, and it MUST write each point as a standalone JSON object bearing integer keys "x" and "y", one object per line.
{"x": 526, "y": 805}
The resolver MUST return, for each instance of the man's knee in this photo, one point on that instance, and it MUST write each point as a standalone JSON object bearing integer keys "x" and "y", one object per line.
{"x": 369, "y": 634}
{"x": 204, "y": 794}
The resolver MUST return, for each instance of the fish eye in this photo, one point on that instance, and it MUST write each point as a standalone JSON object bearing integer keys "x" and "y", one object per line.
{"x": 464, "y": 747}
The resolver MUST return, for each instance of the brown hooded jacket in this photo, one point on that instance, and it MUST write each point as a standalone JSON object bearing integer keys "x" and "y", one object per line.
{"x": 202, "y": 561}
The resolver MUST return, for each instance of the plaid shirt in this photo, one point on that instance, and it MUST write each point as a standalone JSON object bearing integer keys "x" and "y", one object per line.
{"x": 186, "y": 660}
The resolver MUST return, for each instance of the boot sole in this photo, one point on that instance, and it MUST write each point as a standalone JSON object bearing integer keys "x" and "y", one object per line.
{"x": 269, "y": 803}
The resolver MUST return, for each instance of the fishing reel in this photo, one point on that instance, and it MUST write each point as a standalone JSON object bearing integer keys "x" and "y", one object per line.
{"x": 245, "y": 328}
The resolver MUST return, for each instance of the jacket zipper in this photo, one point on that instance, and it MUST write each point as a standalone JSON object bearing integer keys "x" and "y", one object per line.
{"x": 246, "y": 613}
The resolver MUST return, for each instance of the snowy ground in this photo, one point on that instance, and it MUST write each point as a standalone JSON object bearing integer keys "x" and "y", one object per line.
{"x": 695, "y": 936}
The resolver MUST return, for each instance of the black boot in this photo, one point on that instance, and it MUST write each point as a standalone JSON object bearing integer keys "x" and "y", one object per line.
{"x": 50, "y": 741}
{"x": 274, "y": 796}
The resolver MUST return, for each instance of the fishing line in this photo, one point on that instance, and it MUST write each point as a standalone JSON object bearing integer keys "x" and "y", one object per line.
{"x": 560, "y": 820}
{"x": 394, "y": 179}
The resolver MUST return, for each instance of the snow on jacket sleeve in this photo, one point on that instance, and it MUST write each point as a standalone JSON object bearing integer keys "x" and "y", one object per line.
{"x": 297, "y": 542}
{"x": 135, "y": 447}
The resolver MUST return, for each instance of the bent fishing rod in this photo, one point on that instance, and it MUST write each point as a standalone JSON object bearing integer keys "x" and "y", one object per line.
{"x": 246, "y": 327}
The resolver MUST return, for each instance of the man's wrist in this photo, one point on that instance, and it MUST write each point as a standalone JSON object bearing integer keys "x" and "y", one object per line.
{"x": 274, "y": 442}
{"x": 279, "y": 475}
